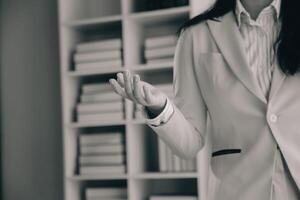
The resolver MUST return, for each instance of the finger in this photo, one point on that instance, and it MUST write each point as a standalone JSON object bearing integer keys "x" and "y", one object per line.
{"x": 137, "y": 90}
{"x": 117, "y": 88}
{"x": 120, "y": 79}
{"x": 148, "y": 94}
{"x": 128, "y": 84}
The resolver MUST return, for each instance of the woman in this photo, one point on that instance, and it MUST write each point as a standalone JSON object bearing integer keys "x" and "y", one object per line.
{"x": 236, "y": 79}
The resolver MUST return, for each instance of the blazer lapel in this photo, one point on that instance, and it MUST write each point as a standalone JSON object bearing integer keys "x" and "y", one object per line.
{"x": 230, "y": 42}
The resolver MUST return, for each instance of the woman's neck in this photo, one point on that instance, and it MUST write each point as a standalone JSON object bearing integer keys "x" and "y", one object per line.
{"x": 254, "y": 7}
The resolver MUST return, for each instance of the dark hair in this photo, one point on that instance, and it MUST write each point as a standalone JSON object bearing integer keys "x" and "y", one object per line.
{"x": 288, "y": 41}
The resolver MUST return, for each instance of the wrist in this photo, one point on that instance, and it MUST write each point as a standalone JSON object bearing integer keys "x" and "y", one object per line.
{"x": 154, "y": 111}
{"x": 163, "y": 117}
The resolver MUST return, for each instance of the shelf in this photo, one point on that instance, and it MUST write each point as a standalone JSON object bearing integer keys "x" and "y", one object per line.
{"x": 98, "y": 177}
{"x": 148, "y": 175}
{"x": 95, "y": 72}
{"x": 102, "y": 123}
{"x": 108, "y": 123}
{"x": 96, "y": 20}
{"x": 136, "y": 68}
{"x": 83, "y": 23}
{"x": 168, "y": 175}
{"x": 161, "y": 16}
{"x": 96, "y": 124}
{"x": 147, "y": 17}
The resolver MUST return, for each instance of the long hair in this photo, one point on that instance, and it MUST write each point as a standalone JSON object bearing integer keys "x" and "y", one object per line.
{"x": 288, "y": 41}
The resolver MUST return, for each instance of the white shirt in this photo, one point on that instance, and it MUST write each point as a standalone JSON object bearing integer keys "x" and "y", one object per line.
{"x": 259, "y": 36}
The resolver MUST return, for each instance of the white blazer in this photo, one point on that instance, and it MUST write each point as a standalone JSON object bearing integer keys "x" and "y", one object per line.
{"x": 217, "y": 95}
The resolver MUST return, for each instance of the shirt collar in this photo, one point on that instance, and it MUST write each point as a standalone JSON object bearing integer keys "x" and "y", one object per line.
{"x": 240, "y": 9}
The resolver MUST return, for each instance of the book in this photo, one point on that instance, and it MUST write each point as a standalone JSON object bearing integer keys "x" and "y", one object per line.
{"x": 173, "y": 197}
{"x": 160, "y": 52}
{"x": 116, "y": 63}
{"x": 103, "y": 149}
{"x": 191, "y": 165}
{"x": 162, "y": 154}
{"x": 170, "y": 166}
{"x": 104, "y": 107}
{"x": 98, "y": 117}
{"x": 109, "y": 96}
{"x": 102, "y": 159}
{"x": 97, "y": 56}
{"x": 176, "y": 163}
{"x": 102, "y": 169}
{"x": 183, "y": 165}
{"x": 108, "y": 192}
{"x": 101, "y": 138}
{"x": 93, "y": 88}
{"x": 108, "y": 44}
{"x": 161, "y": 41}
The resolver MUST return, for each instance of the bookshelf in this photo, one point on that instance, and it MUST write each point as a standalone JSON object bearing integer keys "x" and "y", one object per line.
{"x": 93, "y": 20}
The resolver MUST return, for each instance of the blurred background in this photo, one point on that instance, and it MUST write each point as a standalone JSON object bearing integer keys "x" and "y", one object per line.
{"x": 31, "y": 131}
{"x": 64, "y": 133}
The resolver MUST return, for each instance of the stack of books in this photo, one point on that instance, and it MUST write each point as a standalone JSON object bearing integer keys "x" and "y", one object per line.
{"x": 112, "y": 193}
{"x": 160, "y": 49}
{"x": 97, "y": 55}
{"x": 166, "y": 88}
{"x": 102, "y": 153}
{"x": 173, "y": 197}
{"x": 170, "y": 162}
{"x": 98, "y": 102}
{"x": 160, "y": 4}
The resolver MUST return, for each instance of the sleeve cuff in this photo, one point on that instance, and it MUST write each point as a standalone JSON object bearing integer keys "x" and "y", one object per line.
{"x": 163, "y": 117}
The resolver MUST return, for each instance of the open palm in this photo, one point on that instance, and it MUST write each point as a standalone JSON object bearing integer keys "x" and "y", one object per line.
{"x": 131, "y": 87}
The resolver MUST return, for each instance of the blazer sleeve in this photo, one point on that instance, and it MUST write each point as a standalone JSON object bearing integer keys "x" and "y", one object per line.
{"x": 185, "y": 130}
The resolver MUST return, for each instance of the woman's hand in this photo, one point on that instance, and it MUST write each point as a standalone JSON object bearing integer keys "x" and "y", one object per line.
{"x": 131, "y": 87}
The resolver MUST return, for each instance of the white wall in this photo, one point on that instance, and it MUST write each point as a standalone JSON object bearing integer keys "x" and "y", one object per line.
{"x": 31, "y": 129}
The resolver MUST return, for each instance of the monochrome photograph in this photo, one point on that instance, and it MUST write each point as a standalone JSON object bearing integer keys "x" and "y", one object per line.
{"x": 150, "y": 99}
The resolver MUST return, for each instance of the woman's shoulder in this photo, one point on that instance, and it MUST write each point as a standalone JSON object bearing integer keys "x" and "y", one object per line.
{"x": 196, "y": 31}
{"x": 198, "y": 35}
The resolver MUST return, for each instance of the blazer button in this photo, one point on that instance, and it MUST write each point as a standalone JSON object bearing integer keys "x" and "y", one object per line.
{"x": 273, "y": 118}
